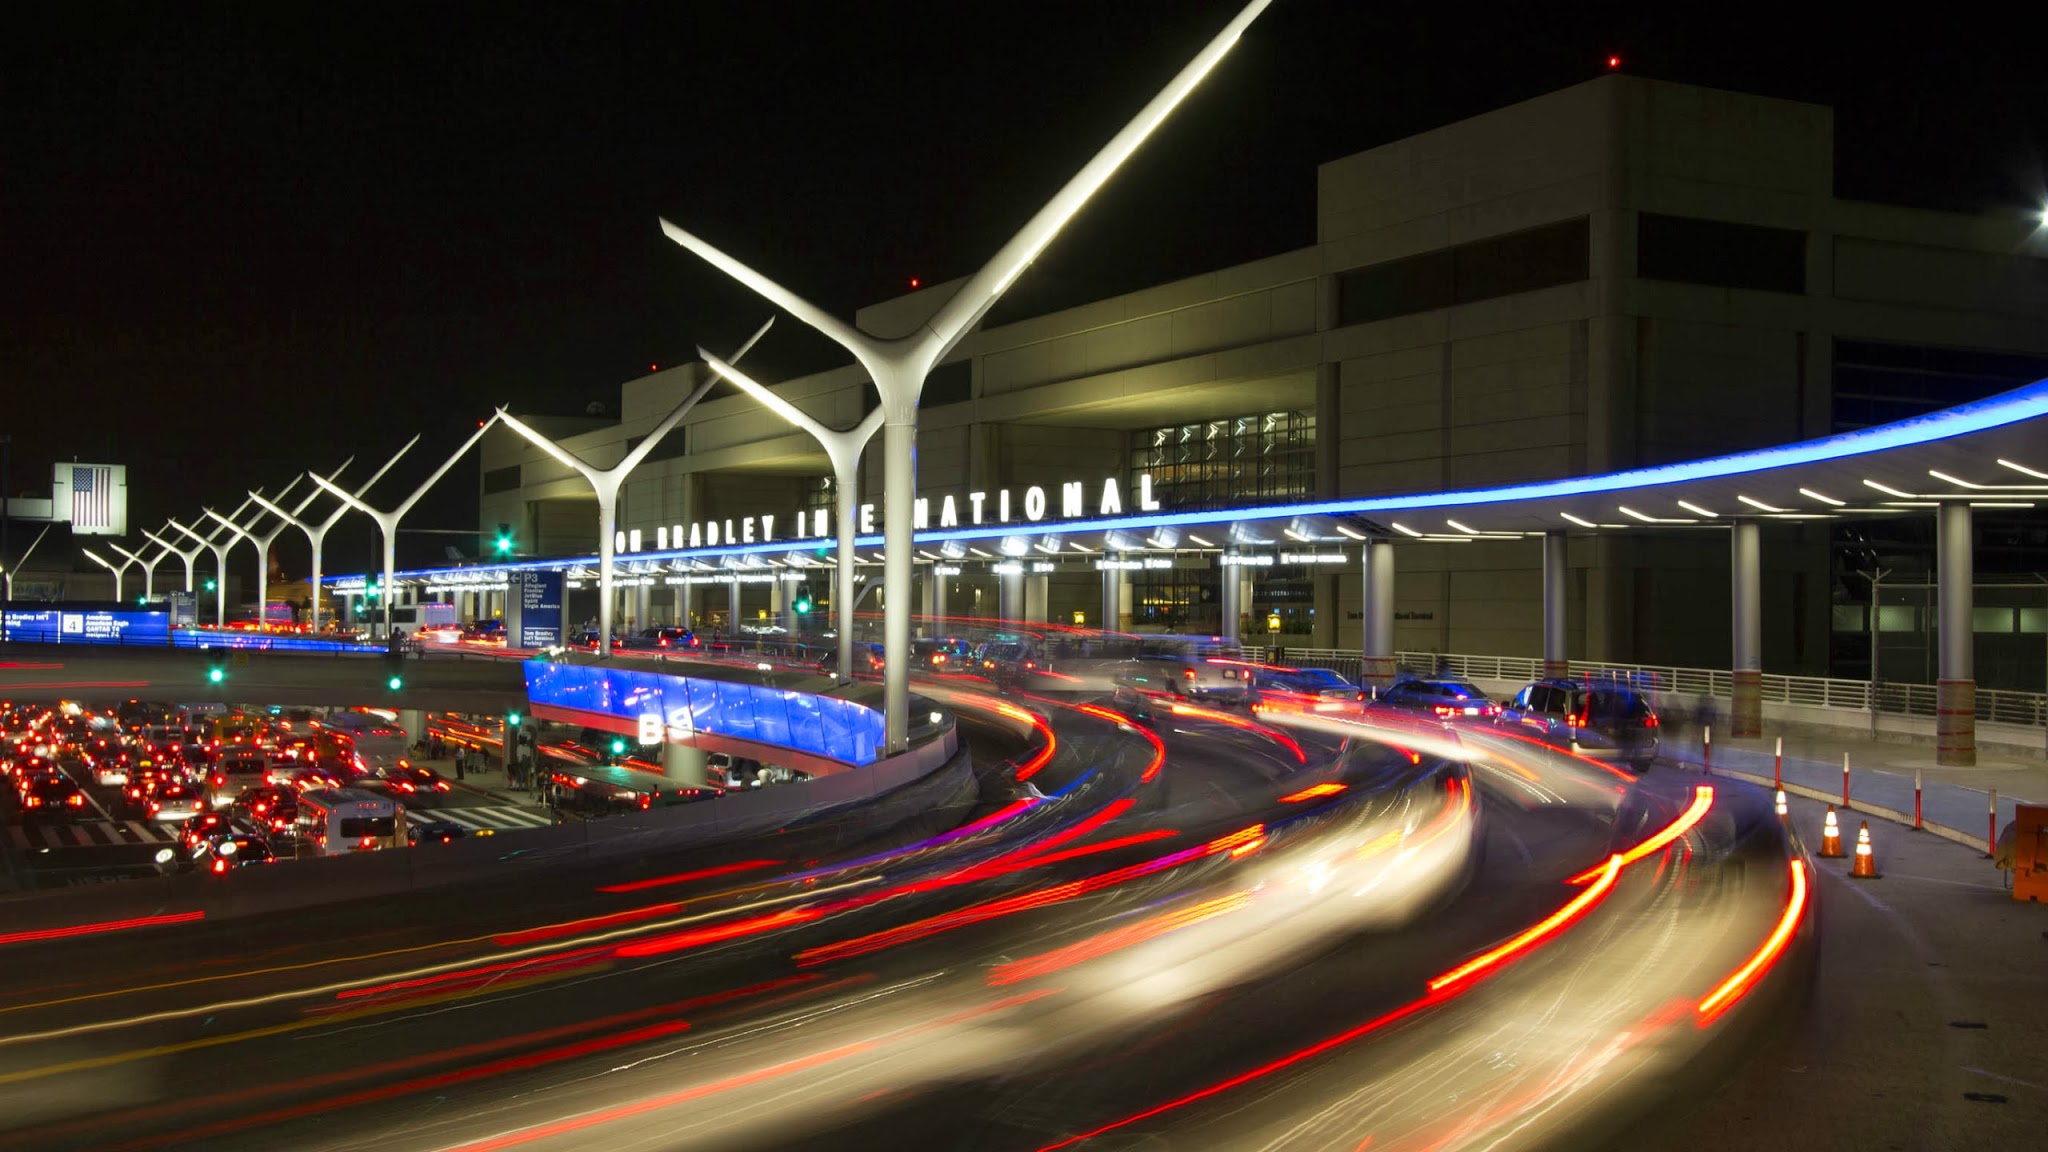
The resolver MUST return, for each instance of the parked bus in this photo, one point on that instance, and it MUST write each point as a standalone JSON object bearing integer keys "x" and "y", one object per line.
{"x": 334, "y": 821}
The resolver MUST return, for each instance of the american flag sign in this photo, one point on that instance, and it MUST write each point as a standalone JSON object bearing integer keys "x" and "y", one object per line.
{"x": 92, "y": 496}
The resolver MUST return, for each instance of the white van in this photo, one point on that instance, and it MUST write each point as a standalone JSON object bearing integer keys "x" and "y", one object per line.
{"x": 334, "y": 821}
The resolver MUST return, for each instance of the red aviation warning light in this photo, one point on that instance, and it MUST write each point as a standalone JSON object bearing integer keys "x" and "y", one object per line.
{"x": 1613, "y": 63}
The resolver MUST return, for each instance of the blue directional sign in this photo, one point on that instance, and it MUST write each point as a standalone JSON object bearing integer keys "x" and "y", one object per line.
{"x": 63, "y": 626}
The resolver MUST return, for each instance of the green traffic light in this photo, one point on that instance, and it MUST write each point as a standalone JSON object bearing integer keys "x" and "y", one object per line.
{"x": 210, "y": 584}
{"x": 504, "y": 545}
{"x": 395, "y": 683}
{"x": 215, "y": 675}
{"x": 512, "y": 719}
{"x": 618, "y": 747}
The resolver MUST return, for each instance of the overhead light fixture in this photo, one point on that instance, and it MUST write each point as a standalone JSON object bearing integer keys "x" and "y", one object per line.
{"x": 1830, "y": 501}
{"x": 1695, "y": 509}
{"x": 1405, "y": 530}
{"x": 1462, "y": 528}
{"x": 1758, "y": 504}
{"x": 2001, "y": 504}
{"x": 1200, "y": 541}
{"x": 1350, "y": 533}
{"x": 1648, "y": 519}
{"x": 1888, "y": 490}
{"x": 980, "y": 553}
{"x": 1080, "y": 547}
{"x": 1948, "y": 479}
{"x": 2023, "y": 469}
{"x": 1579, "y": 522}
{"x": 1304, "y": 538}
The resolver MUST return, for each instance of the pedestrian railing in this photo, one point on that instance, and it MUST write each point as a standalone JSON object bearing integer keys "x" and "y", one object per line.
{"x": 1997, "y": 705}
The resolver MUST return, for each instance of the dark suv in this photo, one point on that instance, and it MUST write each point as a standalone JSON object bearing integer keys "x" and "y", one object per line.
{"x": 1603, "y": 719}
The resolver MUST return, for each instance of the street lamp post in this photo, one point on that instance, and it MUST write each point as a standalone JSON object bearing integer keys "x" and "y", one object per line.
{"x": 898, "y": 367}
{"x": 263, "y": 541}
{"x": 605, "y": 482}
{"x": 387, "y": 522}
{"x": 844, "y": 448}
{"x": 102, "y": 562}
{"x": 316, "y": 533}
{"x": 220, "y": 552}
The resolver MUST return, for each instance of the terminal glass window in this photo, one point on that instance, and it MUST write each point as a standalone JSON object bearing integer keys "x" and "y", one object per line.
{"x": 1259, "y": 459}
{"x": 1239, "y": 461}
{"x": 1497, "y": 266}
{"x": 1720, "y": 253}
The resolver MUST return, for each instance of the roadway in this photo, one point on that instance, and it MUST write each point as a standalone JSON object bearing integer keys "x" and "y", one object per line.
{"x": 1219, "y": 934}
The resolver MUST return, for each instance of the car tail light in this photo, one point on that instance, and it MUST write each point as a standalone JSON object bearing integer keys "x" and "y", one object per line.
{"x": 1187, "y": 673}
{"x": 34, "y": 802}
{"x": 77, "y": 800}
{"x": 155, "y": 807}
{"x": 1444, "y": 710}
{"x": 220, "y": 866}
{"x": 442, "y": 785}
{"x": 1651, "y": 722}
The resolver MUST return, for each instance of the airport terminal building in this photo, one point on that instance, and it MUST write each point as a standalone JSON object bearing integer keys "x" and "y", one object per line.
{"x": 1622, "y": 274}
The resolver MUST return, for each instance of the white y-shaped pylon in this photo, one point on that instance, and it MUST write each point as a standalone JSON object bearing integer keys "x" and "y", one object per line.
{"x": 108, "y": 565}
{"x": 148, "y": 566}
{"x": 387, "y": 522}
{"x": 220, "y": 550}
{"x": 316, "y": 533}
{"x": 605, "y": 482}
{"x": 188, "y": 555}
{"x": 899, "y": 366}
{"x": 843, "y": 448}
{"x": 263, "y": 541}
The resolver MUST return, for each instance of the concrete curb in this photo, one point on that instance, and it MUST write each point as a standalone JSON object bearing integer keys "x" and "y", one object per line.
{"x": 1882, "y": 813}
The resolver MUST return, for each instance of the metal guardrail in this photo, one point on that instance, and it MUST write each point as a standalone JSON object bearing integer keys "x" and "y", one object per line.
{"x": 1997, "y": 705}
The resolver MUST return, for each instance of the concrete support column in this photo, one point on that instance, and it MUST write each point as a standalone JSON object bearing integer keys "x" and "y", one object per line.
{"x": 732, "y": 609}
{"x": 1036, "y": 589}
{"x": 932, "y": 584}
{"x": 1376, "y": 665}
{"x": 682, "y": 765}
{"x": 1112, "y": 599}
{"x": 1955, "y": 692}
{"x": 414, "y": 722}
{"x": 1229, "y": 599}
{"x": 1557, "y": 576}
{"x": 1010, "y": 596}
{"x": 641, "y": 595}
{"x": 1745, "y": 549}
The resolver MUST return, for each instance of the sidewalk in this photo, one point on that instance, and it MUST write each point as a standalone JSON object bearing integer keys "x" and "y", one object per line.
{"x": 1955, "y": 802}
{"x": 488, "y": 781}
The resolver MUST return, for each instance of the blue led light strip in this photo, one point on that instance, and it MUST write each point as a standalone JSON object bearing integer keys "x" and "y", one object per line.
{"x": 2003, "y": 410}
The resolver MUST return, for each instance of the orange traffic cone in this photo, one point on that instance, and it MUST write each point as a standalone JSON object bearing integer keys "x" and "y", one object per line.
{"x": 1831, "y": 836}
{"x": 1781, "y": 803}
{"x": 1865, "y": 867}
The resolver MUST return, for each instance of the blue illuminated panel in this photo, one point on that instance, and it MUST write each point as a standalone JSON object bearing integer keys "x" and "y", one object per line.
{"x": 201, "y": 638}
{"x": 822, "y": 726}
{"x": 59, "y": 626}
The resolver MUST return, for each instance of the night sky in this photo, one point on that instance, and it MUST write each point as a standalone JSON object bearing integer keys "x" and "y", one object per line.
{"x": 237, "y": 242}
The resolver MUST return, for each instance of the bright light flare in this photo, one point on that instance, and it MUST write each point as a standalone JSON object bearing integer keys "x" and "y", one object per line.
{"x": 1702, "y": 799}
{"x": 1535, "y": 934}
{"x": 1745, "y": 977}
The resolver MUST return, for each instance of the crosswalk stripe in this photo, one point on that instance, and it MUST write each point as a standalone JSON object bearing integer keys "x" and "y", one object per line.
{"x": 88, "y": 834}
{"x": 17, "y": 838}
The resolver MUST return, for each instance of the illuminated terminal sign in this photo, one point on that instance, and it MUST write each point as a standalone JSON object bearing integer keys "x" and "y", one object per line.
{"x": 1076, "y": 499}
{"x": 61, "y": 627}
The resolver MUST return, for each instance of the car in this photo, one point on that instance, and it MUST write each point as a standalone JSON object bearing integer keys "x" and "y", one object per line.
{"x": 1004, "y": 661}
{"x": 1302, "y": 690}
{"x": 484, "y": 632}
{"x": 205, "y": 826}
{"x": 587, "y": 639}
{"x": 51, "y": 797}
{"x": 271, "y": 806}
{"x": 668, "y": 637}
{"x": 109, "y": 767}
{"x": 409, "y": 778}
{"x": 1197, "y": 677}
{"x": 175, "y": 800}
{"x": 940, "y": 653}
{"x": 866, "y": 658}
{"x": 434, "y": 832}
{"x": 1601, "y": 719}
{"x": 234, "y": 850}
{"x": 1442, "y": 697}
{"x": 235, "y": 771}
